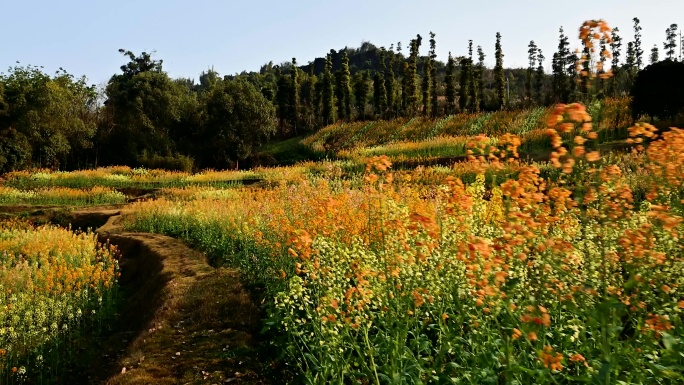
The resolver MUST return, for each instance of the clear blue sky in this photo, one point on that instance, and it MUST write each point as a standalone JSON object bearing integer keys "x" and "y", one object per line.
{"x": 83, "y": 36}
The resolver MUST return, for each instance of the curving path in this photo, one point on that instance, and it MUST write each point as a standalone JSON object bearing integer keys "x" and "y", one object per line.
{"x": 181, "y": 321}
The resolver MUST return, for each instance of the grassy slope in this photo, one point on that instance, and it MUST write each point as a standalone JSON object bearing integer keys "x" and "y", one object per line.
{"x": 434, "y": 141}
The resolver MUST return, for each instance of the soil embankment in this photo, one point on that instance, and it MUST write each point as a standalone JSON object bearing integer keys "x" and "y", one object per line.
{"x": 181, "y": 321}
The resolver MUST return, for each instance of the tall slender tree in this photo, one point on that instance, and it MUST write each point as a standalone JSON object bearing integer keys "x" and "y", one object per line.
{"x": 361, "y": 88}
{"x": 585, "y": 72}
{"x": 561, "y": 60}
{"x": 464, "y": 83}
{"x": 539, "y": 78}
{"x": 345, "y": 85}
{"x": 499, "y": 77}
{"x": 450, "y": 91}
{"x": 433, "y": 76}
{"x": 654, "y": 57}
{"x": 615, "y": 48}
{"x": 670, "y": 44}
{"x": 310, "y": 98}
{"x": 480, "y": 77}
{"x": 328, "y": 93}
{"x": 295, "y": 108}
{"x": 472, "y": 80}
{"x": 601, "y": 67}
{"x": 411, "y": 75}
{"x": 427, "y": 82}
{"x": 638, "y": 52}
{"x": 390, "y": 80}
{"x": 532, "y": 52}
{"x": 379, "y": 94}
{"x": 630, "y": 63}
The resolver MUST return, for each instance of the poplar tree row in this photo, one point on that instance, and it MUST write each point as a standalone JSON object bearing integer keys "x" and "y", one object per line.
{"x": 397, "y": 85}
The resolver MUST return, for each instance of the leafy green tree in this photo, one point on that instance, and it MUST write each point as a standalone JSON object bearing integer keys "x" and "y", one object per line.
{"x": 670, "y": 44}
{"x": 328, "y": 93}
{"x": 238, "y": 120}
{"x": 480, "y": 71}
{"x": 145, "y": 110}
{"x": 499, "y": 77}
{"x": 450, "y": 80}
{"x": 361, "y": 89}
{"x": 45, "y": 121}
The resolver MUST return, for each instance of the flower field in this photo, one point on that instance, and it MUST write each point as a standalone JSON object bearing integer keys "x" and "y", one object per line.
{"x": 493, "y": 271}
{"x": 54, "y": 286}
{"x": 124, "y": 177}
{"x": 60, "y": 196}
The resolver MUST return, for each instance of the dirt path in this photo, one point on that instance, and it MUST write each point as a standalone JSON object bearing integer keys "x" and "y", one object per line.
{"x": 182, "y": 321}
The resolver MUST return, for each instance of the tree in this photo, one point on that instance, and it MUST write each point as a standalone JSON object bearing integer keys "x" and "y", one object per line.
{"x": 464, "y": 82}
{"x": 473, "y": 77}
{"x": 283, "y": 101}
{"x": 379, "y": 94}
{"x": 670, "y": 44}
{"x": 361, "y": 89}
{"x": 390, "y": 81}
{"x": 294, "y": 97}
{"x": 654, "y": 54}
{"x": 480, "y": 77}
{"x": 450, "y": 80}
{"x": 630, "y": 63}
{"x": 44, "y": 121}
{"x": 562, "y": 59}
{"x": 427, "y": 83}
{"x": 309, "y": 96}
{"x": 239, "y": 119}
{"x": 411, "y": 75}
{"x": 145, "y": 109}
{"x": 638, "y": 52}
{"x": 657, "y": 90}
{"x": 601, "y": 67}
{"x": 328, "y": 93}
{"x": 499, "y": 77}
{"x": 539, "y": 78}
{"x": 433, "y": 76}
{"x": 532, "y": 52}
{"x": 615, "y": 48}
{"x": 343, "y": 88}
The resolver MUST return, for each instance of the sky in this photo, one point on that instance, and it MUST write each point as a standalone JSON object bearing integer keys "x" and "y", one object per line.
{"x": 83, "y": 36}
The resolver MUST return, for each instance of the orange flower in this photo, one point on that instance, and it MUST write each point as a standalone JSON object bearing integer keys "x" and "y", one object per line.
{"x": 593, "y": 156}
{"x": 516, "y": 334}
{"x": 551, "y": 359}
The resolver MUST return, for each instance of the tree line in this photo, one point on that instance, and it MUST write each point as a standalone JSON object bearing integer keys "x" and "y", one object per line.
{"x": 143, "y": 117}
